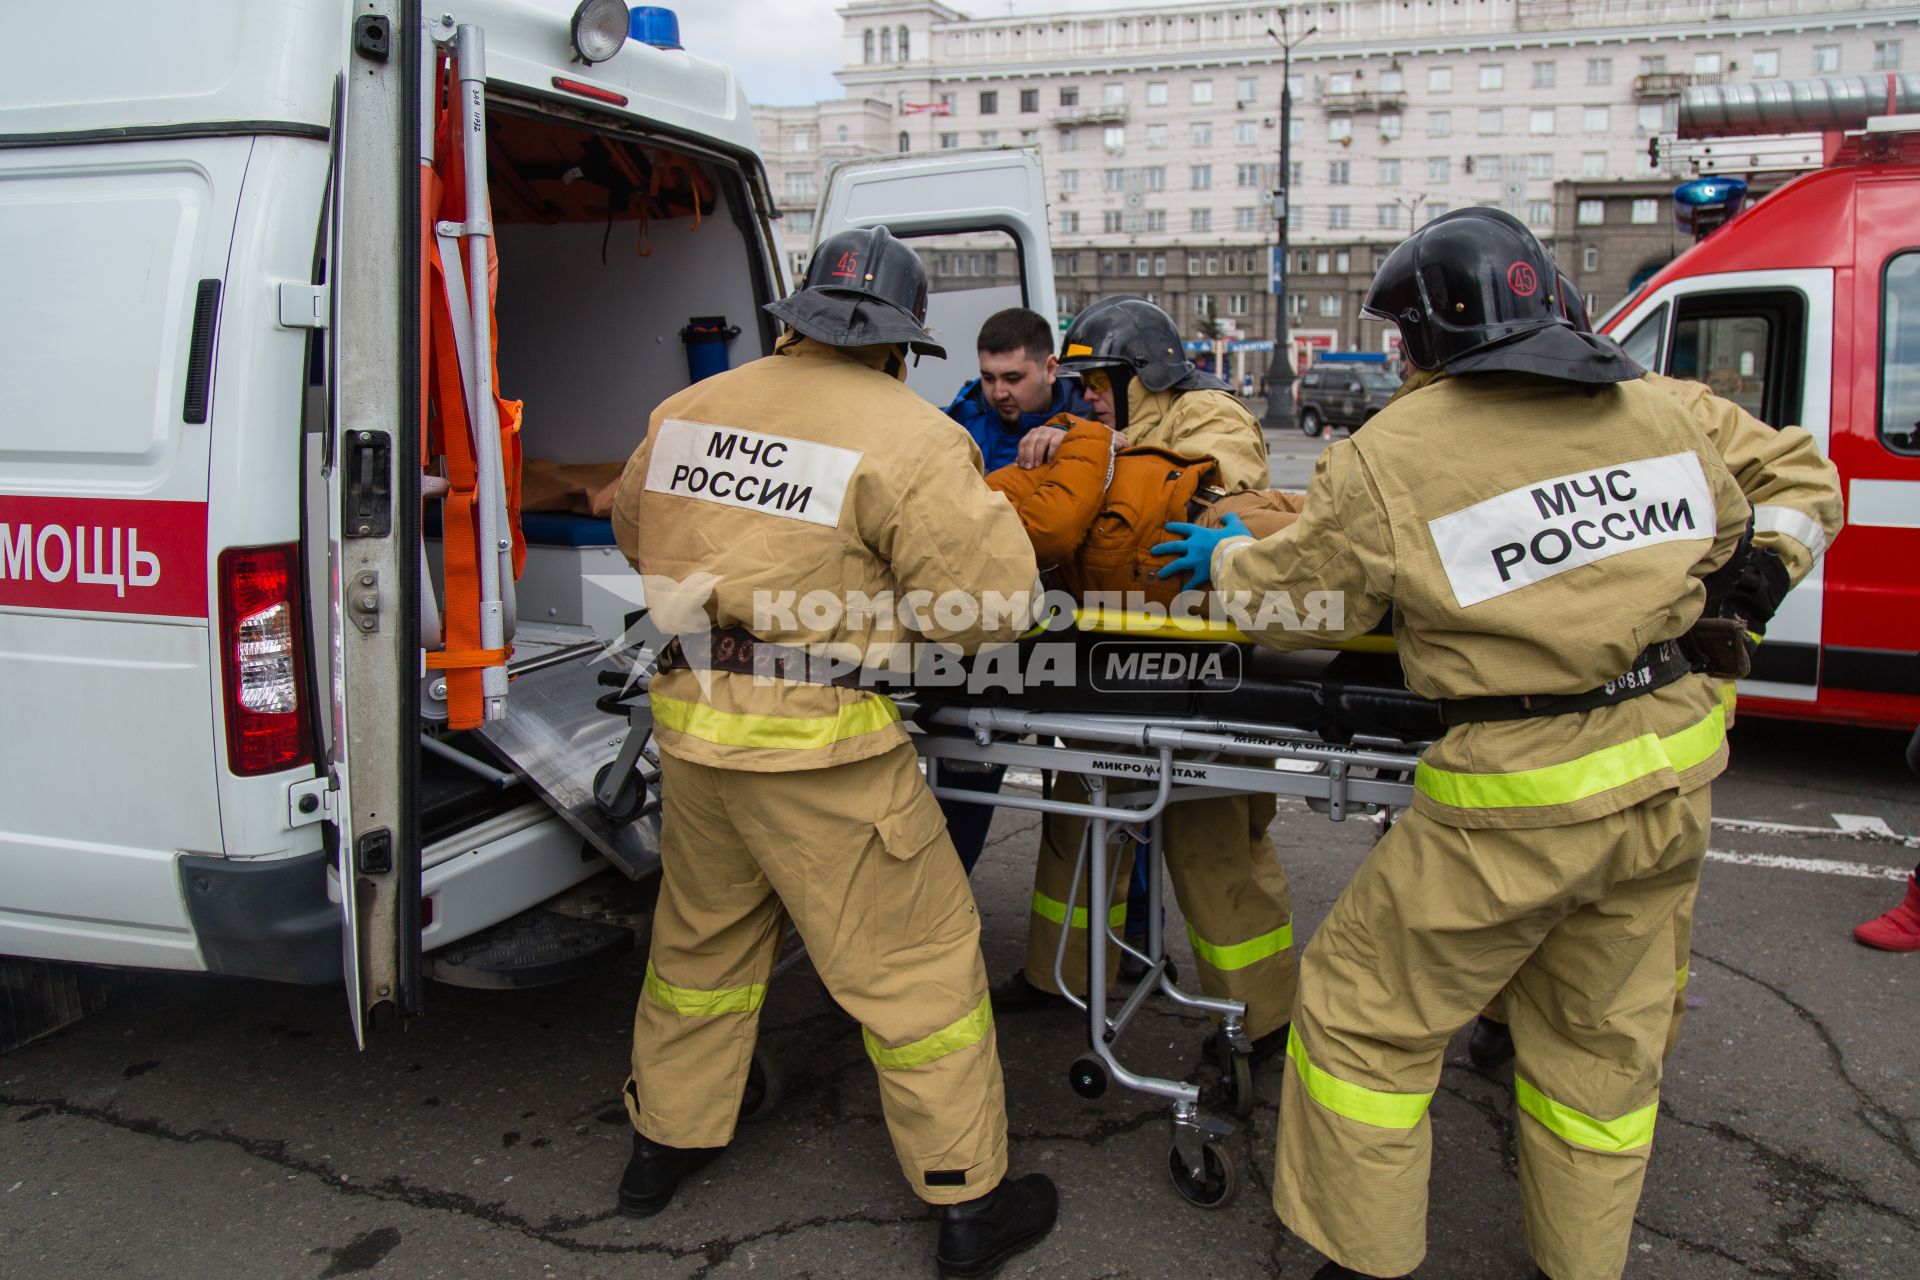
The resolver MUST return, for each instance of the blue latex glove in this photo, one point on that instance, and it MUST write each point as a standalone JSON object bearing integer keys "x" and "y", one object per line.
{"x": 1194, "y": 552}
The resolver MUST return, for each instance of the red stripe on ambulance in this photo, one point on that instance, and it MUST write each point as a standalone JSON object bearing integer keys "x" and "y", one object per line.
{"x": 104, "y": 555}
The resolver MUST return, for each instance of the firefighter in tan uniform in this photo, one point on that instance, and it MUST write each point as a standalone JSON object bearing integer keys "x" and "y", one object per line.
{"x": 1226, "y": 875}
{"x": 790, "y": 791}
{"x": 1795, "y": 494}
{"x": 1544, "y": 524}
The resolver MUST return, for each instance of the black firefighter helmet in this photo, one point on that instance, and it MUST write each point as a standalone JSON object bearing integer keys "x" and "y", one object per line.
{"x": 863, "y": 288}
{"x": 1127, "y": 337}
{"x": 1473, "y": 291}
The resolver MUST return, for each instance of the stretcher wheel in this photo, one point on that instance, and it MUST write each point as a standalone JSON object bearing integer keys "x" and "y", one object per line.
{"x": 766, "y": 1084}
{"x": 1214, "y": 1189}
{"x": 1088, "y": 1078}
{"x": 627, "y": 804}
{"x": 1236, "y": 1082}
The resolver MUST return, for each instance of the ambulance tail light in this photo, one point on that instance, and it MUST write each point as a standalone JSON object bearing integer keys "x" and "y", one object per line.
{"x": 260, "y": 655}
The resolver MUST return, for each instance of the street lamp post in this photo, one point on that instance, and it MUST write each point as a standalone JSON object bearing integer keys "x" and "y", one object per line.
{"x": 1280, "y": 374}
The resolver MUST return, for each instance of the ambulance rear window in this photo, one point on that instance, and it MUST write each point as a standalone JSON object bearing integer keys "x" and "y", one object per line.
{"x": 1900, "y": 354}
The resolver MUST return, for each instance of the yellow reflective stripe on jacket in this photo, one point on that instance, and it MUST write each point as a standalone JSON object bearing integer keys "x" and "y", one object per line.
{"x": 1238, "y": 955}
{"x": 1056, "y": 911}
{"x": 1729, "y": 695}
{"x": 1680, "y": 979}
{"x": 1634, "y": 1129}
{"x": 1572, "y": 780}
{"x": 692, "y": 1002}
{"x": 967, "y": 1031}
{"x": 1369, "y": 1106}
{"x": 794, "y": 733}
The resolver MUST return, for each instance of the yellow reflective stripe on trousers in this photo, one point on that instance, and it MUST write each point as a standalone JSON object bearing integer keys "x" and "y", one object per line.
{"x": 1680, "y": 979}
{"x": 1634, "y": 1129}
{"x": 1238, "y": 955}
{"x": 952, "y": 1038}
{"x": 1572, "y": 780}
{"x": 793, "y": 733}
{"x": 1056, "y": 911}
{"x": 1376, "y": 1107}
{"x": 692, "y": 1002}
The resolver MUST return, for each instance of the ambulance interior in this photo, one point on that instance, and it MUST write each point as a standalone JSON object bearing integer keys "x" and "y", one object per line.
{"x": 608, "y": 245}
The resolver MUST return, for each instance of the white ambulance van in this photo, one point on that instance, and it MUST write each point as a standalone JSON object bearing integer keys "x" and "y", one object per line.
{"x": 273, "y": 702}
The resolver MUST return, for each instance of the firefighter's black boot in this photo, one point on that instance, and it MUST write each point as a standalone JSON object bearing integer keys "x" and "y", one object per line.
{"x": 976, "y": 1236}
{"x": 1017, "y": 995}
{"x": 1334, "y": 1271}
{"x": 654, "y": 1173}
{"x": 1490, "y": 1044}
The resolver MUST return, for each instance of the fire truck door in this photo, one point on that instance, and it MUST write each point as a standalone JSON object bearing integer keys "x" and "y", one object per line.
{"x": 373, "y": 532}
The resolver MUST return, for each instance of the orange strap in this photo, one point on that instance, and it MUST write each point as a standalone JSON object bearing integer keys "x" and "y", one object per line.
{"x": 470, "y": 660}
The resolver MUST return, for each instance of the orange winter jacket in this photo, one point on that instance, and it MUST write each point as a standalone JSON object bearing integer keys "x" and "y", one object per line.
{"x": 1094, "y": 514}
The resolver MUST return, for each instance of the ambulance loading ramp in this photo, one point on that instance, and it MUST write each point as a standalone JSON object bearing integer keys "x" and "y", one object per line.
{"x": 556, "y": 737}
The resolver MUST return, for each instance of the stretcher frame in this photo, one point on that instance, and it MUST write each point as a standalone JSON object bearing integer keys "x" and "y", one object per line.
{"x": 1173, "y": 759}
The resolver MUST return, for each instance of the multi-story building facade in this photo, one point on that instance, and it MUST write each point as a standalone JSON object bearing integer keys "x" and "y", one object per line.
{"x": 1159, "y": 127}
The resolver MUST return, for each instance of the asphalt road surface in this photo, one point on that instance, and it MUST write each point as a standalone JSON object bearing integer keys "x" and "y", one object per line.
{"x": 215, "y": 1129}
{"x": 1290, "y": 456}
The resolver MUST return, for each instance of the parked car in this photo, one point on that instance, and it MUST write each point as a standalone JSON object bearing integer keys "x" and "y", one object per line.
{"x": 1343, "y": 395}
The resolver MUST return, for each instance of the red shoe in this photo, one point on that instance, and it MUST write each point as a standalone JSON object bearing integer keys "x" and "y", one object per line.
{"x": 1898, "y": 929}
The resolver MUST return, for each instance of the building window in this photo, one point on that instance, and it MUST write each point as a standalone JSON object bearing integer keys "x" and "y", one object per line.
{"x": 1387, "y": 217}
{"x": 1115, "y": 95}
{"x": 1069, "y": 179}
{"x": 866, "y": 45}
{"x": 1245, "y": 219}
{"x": 840, "y": 134}
{"x": 1296, "y": 131}
{"x": 1156, "y": 135}
{"x": 1493, "y": 75}
{"x": 1329, "y": 304}
{"x": 1201, "y": 135}
{"x": 1439, "y": 168}
{"x": 1322, "y": 262}
{"x": 1296, "y": 85}
{"x": 1653, "y": 65}
{"x": 1706, "y": 64}
{"x": 1596, "y": 119}
{"x": 1646, "y": 211}
{"x": 1593, "y": 164}
{"x": 1193, "y": 265}
{"x": 1160, "y": 260}
{"x": 1069, "y": 139}
{"x": 1590, "y": 258}
{"x": 1213, "y": 264}
{"x": 1339, "y": 215}
{"x": 1653, "y": 118}
{"x": 1248, "y": 90}
{"x": 886, "y": 44}
{"x": 1236, "y": 304}
{"x": 1157, "y": 177}
{"x": 1296, "y": 172}
{"x": 1766, "y": 64}
{"x": 904, "y": 55}
{"x": 1157, "y": 93}
{"x": 1591, "y": 213}
{"x": 1339, "y": 128}
{"x": 800, "y": 185}
{"x": 1439, "y": 124}
{"x": 1249, "y": 175}
{"x": 948, "y": 102}
{"x": 1390, "y": 124}
{"x": 1115, "y": 137}
{"x": 1490, "y": 168}
{"x": 949, "y": 141}
{"x": 1544, "y": 74}
{"x": 1070, "y": 223}
{"x": 906, "y": 143}
{"x": 1435, "y": 209}
{"x": 1244, "y": 131}
{"x": 1539, "y": 213}
{"x": 1296, "y": 220}
{"x": 1029, "y": 100}
{"x": 1142, "y": 265}
{"x": 1200, "y": 177}
{"x": 1492, "y": 122}
{"x": 1540, "y": 165}
{"x": 1826, "y": 57}
{"x": 1029, "y": 137}
{"x": 1296, "y": 305}
{"x": 1111, "y": 221}
{"x": 989, "y": 137}
{"x": 1599, "y": 70}
{"x": 1202, "y": 305}
{"x": 989, "y": 102}
{"x": 1389, "y": 172}
{"x": 1113, "y": 180}
{"x": 1070, "y": 96}
{"x": 800, "y": 143}
{"x": 1393, "y": 81}
{"x": 1340, "y": 82}
{"x": 1439, "y": 79}
{"x": 1540, "y": 121}
{"x": 1339, "y": 171}
{"x": 1886, "y": 55}
{"x": 800, "y": 222}
{"x": 1200, "y": 220}
{"x": 1203, "y": 91}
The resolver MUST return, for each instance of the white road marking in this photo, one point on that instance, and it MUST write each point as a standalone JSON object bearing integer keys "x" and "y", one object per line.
{"x": 1862, "y": 824}
{"x": 1757, "y": 827}
{"x": 1780, "y": 862}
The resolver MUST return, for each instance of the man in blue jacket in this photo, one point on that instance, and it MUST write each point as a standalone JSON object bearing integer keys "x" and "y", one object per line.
{"x": 1016, "y": 391}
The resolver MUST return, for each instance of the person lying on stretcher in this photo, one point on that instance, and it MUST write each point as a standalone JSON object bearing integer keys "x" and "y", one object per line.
{"x": 1096, "y": 510}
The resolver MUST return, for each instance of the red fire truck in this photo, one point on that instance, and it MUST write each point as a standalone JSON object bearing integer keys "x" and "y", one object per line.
{"x": 1805, "y": 309}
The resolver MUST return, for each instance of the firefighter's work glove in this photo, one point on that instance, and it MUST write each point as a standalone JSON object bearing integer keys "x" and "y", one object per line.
{"x": 1193, "y": 553}
{"x": 1722, "y": 647}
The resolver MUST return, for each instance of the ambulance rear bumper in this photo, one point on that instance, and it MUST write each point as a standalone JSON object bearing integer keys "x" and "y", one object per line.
{"x": 264, "y": 918}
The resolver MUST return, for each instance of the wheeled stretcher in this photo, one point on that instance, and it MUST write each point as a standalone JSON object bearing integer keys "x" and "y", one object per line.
{"x": 1150, "y": 722}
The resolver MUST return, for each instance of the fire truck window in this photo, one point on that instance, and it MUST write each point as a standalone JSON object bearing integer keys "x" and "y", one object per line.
{"x": 1900, "y": 354}
{"x": 1643, "y": 344}
{"x": 1748, "y": 346}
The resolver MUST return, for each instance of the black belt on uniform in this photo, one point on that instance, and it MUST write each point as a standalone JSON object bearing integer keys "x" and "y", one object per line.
{"x": 738, "y": 650}
{"x": 1656, "y": 667}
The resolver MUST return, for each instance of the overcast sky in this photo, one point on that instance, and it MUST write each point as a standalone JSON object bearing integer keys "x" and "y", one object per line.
{"x": 786, "y": 50}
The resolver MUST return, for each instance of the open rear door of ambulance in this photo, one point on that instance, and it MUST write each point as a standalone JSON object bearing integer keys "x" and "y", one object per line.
{"x": 978, "y": 219}
{"x": 372, "y": 470}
